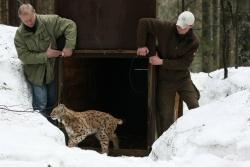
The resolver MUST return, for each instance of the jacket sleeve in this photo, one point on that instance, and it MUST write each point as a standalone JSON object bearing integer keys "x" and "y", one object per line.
{"x": 66, "y": 27}
{"x": 26, "y": 56}
{"x": 147, "y": 30}
{"x": 182, "y": 63}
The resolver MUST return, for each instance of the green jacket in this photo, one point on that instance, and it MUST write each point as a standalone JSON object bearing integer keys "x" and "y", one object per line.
{"x": 31, "y": 47}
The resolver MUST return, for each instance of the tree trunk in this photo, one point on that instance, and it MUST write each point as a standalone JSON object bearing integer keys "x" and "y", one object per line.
{"x": 3, "y": 11}
{"x": 45, "y": 6}
{"x": 225, "y": 39}
{"x": 243, "y": 32}
{"x": 216, "y": 34}
{"x": 207, "y": 35}
{"x": 232, "y": 32}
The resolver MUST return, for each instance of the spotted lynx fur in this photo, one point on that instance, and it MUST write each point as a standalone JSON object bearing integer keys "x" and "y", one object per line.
{"x": 79, "y": 125}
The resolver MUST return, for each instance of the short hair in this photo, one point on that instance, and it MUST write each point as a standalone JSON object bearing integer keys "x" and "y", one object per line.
{"x": 26, "y": 7}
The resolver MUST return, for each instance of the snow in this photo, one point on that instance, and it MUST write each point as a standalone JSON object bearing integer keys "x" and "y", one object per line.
{"x": 220, "y": 127}
{"x": 217, "y": 134}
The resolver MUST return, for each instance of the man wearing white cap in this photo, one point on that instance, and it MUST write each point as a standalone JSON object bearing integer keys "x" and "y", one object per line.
{"x": 171, "y": 46}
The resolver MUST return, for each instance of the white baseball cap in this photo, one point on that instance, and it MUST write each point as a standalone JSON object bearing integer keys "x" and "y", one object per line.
{"x": 185, "y": 19}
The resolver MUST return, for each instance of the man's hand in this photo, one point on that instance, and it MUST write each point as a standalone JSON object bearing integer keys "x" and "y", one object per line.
{"x": 155, "y": 60}
{"x": 66, "y": 52}
{"x": 52, "y": 52}
{"x": 143, "y": 51}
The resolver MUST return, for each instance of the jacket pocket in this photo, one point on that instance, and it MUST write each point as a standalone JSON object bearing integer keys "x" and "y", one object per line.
{"x": 31, "y": 44}
{"x": 43, "y": 41}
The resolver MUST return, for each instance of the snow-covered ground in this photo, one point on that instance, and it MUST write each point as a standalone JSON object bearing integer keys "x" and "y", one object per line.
{"x": 220, "y": 127}
{"x": 215, "y": 135}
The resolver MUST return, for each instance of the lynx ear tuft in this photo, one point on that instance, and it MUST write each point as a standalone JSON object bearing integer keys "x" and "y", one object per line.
{"x": 61, "y": 107}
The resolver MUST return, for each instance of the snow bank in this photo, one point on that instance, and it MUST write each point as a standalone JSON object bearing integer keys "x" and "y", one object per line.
{"x": 220, "y": 127}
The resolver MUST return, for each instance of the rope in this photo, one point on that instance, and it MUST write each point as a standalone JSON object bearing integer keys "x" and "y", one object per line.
{"x": 29, "y": 110}
{"x": 130, "y": 76}
{"x": 4, "y": 107}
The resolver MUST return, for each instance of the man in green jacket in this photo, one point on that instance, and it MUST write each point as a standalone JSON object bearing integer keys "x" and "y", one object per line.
{"x": 35, "y": 42}
{"x": 173, "y": 54}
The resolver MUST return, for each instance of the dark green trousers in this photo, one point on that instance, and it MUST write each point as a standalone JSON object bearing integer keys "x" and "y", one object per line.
{"x": 166, "y": 93}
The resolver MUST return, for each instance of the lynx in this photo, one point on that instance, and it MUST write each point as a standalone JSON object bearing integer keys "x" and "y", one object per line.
{"x": 79, "y": 125}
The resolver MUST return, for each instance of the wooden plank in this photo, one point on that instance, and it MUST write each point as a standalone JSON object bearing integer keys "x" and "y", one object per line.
{"x": 129, "y": 152}
{"x": 98, "y": 28}
{"x": 100, "y": 55}
{"x": 178, "y": 108}
{"x": 60, "y": 81}
{"x": 120, "y": 51}
{"x": 122, "y": 151}
{"x": 105, "y": 53}
{"x": 151, "y": 105}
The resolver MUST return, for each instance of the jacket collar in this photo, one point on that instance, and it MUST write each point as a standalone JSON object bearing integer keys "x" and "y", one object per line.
{"x": 31, "y": 29}
{"x": 40, "y": 28}
{"x": 186, "y": 37}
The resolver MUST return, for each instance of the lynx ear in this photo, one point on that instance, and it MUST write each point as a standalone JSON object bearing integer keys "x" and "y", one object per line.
{"x": 61, "y": 107}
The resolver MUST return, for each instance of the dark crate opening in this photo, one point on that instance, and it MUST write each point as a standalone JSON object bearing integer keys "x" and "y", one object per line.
{"x": 114, "y": 85}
